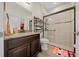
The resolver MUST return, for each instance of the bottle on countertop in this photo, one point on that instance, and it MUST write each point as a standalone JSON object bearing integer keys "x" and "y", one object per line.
{"x": 22, "y": 25}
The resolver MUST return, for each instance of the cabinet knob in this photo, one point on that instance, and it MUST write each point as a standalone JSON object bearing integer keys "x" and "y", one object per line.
{"x": 28, "y": 46}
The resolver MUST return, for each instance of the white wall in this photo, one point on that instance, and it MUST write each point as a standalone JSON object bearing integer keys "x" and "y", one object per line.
{"x": 16, "y": 10}
{"x": 1, "y": 30}
{"x": 61, "y": 7}
{"x": 39, "y": 11}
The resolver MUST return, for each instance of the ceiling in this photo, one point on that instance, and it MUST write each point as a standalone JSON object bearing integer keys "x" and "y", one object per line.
{"x": 26, "y": 5}
{"x": 47, "y": 5}
{"x": 51, "y": 5}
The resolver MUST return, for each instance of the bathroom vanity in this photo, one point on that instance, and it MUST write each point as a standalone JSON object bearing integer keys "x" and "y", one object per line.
{"x": 22, "y": 45}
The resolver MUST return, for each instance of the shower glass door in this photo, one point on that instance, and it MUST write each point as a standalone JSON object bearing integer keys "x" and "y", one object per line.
{"x": 59, "y": 29}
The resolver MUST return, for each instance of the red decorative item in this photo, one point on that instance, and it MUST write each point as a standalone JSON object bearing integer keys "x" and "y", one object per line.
{"x": 66, "y": 54}
{"x": 22, "y": 26}
{"x": 55, "y": 51}
{"x": 59, "y": 51}
{"x": 63, "y": 53}
{"x": 71, "y": 54}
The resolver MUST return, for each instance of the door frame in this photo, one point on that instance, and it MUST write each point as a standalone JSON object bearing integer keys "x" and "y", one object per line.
{"x": 74, "y": 21}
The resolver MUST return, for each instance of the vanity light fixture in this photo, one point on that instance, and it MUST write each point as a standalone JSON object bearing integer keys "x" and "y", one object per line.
{"x": 55, "y": 2}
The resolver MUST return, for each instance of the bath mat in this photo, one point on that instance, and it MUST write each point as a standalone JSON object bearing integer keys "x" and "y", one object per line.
{"x": 62, "y": 52}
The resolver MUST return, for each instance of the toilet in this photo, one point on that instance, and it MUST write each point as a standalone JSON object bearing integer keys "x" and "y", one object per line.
{"x": 44, "y": 43}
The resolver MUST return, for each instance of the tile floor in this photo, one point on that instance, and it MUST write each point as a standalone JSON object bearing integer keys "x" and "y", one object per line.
{"x": 47, "y": 53}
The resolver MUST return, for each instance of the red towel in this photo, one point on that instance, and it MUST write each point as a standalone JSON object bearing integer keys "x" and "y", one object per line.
{"x": 63, "y": 53}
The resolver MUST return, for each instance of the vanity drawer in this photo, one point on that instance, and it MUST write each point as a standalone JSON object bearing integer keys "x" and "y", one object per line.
{"x": 34, "y": 37}
{"x": 17, "y": 42}
{"x": 21, "y": 51}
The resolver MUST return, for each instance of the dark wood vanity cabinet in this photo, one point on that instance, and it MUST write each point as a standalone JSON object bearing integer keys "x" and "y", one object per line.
{"x": 35, "y": 45}
{"x": 19, "y": 51}
{"x": 27, "y": 46}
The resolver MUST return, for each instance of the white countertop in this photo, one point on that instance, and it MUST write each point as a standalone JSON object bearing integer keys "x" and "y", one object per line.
{"x": 20, "y": 35}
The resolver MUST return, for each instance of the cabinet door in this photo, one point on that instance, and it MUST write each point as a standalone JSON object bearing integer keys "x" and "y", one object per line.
{"x": 21, "y": 51}
{"x": 35, "y": 47}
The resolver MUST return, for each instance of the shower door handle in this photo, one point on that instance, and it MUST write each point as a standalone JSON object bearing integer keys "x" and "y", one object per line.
{"x": 77, "y": 33}
{"x": 54, "y": 30}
